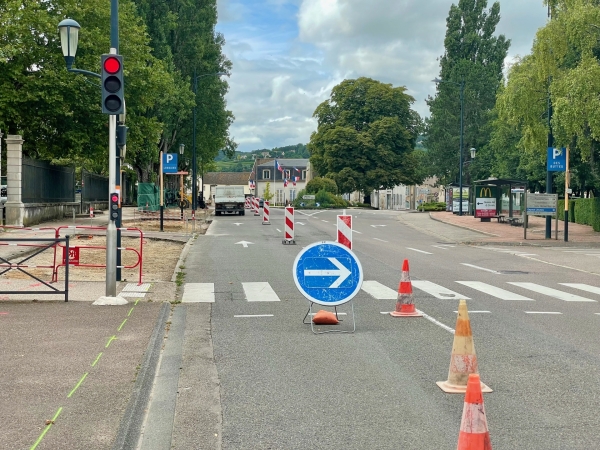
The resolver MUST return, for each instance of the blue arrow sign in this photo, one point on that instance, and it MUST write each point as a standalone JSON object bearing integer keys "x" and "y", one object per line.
{"x": 327, "y": 273}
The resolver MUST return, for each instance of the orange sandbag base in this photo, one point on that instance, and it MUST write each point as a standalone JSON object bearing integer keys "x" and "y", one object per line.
{"x": 325, "y": 318}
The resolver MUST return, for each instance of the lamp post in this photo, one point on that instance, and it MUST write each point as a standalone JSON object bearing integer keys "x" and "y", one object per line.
{"x": 194, "y": 163}
{"x": 461, "y": 85}
{"x": 69, "y": 36}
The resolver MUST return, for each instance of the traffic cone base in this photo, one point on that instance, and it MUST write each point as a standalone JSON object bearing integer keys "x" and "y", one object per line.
{"x": 407, "y": 310}
{"x": 457, "y": 389}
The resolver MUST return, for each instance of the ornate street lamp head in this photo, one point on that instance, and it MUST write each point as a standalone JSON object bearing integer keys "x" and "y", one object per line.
{"x": 473, "y": 151}
{"x": 69, "y": 38}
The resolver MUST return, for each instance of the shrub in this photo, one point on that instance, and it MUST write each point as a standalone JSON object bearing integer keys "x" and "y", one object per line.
{"x": 318, "y": 184}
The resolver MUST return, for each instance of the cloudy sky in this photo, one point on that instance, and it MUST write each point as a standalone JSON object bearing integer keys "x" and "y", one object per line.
{"x": 288, "y": 54}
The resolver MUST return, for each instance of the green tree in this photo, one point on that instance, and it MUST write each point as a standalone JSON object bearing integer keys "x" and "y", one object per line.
{"x": 473, "y": 57}
{"x": 319, "y": 183}
{"x": 267, "y": 195}
{"x": 365, "y": 136}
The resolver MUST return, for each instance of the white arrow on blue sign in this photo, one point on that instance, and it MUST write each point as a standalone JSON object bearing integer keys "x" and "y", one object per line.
{"x": 327, "y": 273}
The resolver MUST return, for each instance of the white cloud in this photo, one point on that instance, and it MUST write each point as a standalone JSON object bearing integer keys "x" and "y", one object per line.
{"x": 288, "y": 54}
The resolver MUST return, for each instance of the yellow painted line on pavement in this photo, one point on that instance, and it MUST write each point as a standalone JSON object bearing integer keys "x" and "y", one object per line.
{"x": 97, "y": 358}
{"x": 121, "y": 326}
{"x": 136, "y": 302}
{"x": 130, "y": 311}
{"x": 46, "y": 429}
{"x": 112, "y": 338}
{"x": 77, "y": 385}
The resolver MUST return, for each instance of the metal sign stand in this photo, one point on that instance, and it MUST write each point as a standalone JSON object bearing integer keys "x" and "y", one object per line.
{"x": 309, "y": 314}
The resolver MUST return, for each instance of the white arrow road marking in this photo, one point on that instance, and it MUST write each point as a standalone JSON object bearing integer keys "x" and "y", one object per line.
{"x": 238, "y": 223}
{"x": 244, "y": 243}
{"x": 342, "y": 273}
{"x": 420, "y": 251}
{"x": 322, "y": 220}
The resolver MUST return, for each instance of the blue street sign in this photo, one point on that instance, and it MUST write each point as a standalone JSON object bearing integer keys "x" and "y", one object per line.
{"x": 169, "y": 162}
{"x": 327, "y": 273}
{"x": 557, "y": 159}
{"x": 534, "y": 211}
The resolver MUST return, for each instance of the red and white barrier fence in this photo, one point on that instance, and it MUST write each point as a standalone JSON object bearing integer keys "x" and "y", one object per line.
{"x": 344, "y": 231}
{"x": 248, "y": 203}
{"x": 266, "y": 213}
{"x": 289, "y": 226}
{"x": 256, "y": 206}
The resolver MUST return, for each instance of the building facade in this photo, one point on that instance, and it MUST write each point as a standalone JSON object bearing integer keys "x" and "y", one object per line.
{"x": 286, "y": 178}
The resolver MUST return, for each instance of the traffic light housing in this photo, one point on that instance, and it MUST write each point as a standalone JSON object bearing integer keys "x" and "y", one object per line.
{"x": 114, "y": 206}
{"x": 113, "y": 93}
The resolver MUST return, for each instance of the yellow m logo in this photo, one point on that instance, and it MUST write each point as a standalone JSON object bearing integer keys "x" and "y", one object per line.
{"x": 485, "y": 193}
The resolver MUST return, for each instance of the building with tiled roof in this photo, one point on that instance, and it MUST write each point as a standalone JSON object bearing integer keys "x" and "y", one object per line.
{"x": 285, "y": 183}
{"x": 213, "y": 179}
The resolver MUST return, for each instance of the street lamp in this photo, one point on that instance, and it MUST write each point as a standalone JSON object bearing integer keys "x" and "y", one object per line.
{"x": 460, "y": 170}
{"x": 473, "y": 150}
{"x": 194, "y": 163}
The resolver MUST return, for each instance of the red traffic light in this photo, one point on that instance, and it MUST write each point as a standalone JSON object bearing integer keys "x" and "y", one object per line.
{"x": 112, "y": 65}
{"x": 114, "y": 198}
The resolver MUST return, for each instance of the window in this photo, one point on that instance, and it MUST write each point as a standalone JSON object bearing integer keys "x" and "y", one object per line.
{"x": 266, "y": 175}
{"x": 304, "y": 174}
{"x": 292, "y": 195}
{"x": 279, "y": 197}
{"x": 286, "y": 174}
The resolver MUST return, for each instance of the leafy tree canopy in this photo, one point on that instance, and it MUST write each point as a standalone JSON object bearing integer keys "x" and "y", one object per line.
{"x": 474, "y": 58}
{"x": 365, "y": 137}
{"x": 321, "y": 184}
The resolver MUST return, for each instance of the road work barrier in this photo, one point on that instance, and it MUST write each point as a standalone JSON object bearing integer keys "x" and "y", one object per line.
{"x": 256, "y": 206}
{"x": 248, "y": 202}
{"x": 474, "y": 433}
{"x": 288, "y": 230}
{"x": 344, "y": 230}
{"x": 463, "y": 360}
{"x": 24, "y": 265}
{"x": 265, "y": 220}
{"x": 405, "y": 305}
{"x": 74, "y": 252}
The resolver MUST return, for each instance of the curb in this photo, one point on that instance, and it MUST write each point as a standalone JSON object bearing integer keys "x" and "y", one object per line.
{"x": 463, "y": 227}
{"x": 131, "y": 423}
{"x": 182, "y": 258}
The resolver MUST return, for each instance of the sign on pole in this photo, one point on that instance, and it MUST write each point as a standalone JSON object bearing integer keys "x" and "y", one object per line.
{"x": 541, "y": 204}
{"x": 169, "y": 162}
{"x": 327, "y": 273}
{"x": 557, "y": 159}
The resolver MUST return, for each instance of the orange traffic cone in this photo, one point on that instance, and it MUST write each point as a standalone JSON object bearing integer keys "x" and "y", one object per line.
{"x": 463, "y": 360}
{"x": 474, "y": 434}
{"x": 405, "y": 306}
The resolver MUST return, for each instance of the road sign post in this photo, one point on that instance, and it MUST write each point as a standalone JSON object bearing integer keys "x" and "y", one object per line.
{"x": 328, "y": 274}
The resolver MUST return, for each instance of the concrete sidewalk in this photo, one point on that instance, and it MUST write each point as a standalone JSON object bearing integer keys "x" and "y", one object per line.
{"x": 494, "y": 232}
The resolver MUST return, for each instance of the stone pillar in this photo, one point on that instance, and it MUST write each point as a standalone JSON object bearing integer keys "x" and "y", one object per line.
{"x": 15, "y": 209}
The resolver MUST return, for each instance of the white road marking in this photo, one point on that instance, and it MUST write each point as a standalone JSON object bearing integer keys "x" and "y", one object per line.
{"x": 244, "y": 243}
{"x": 260, "y": 292}
{"x": 133, "y": 287}
{"x": 437, "y": 322}
{"x": 542, "y": 312}
{"x": 253, "y": 315}
{"x": 438, "y": 291}
{"x": 354, "y": 231}
{"x": 439, "y": 246}
{"x": 477, "y": 312}
{"x": 494, "y": 291}
{"x": 583, "y": 287}
{"x": 379, "y": 291}
{"x": 300, "y": 223}
{"x": 380, "y": 240}
{"x": 323, "y": 220}
{"x": 132, "y": 294}
{"x": 375, "y": 226}
{"x": 481, "y": 268}
{"x": 420, "y": 251}
{"x": 339, "y": 314}
{"x": 278, "y": 230}
{"x": 552, "y": 292}
{"x": 198, "y": 293}
{"x": 238, "y": 223}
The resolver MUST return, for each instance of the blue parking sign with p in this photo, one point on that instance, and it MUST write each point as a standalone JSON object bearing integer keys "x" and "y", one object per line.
{"x": 169, "y": 162}
{"x": 557, "y": 159}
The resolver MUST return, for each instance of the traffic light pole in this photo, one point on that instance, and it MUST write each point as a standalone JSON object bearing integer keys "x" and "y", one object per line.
{"x": 111, "y": 230}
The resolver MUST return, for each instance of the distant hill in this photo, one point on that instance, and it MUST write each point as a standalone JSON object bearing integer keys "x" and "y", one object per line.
{"x": 243, "y": 161}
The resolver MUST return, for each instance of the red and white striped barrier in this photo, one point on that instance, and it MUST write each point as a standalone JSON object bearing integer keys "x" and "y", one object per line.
{"x": 256, "y": 206}
{"x": 248, "y": 202}
{"x": 344, "y": 231}
{"x": 266, "y": 213}
{"x": 289, "y": 226}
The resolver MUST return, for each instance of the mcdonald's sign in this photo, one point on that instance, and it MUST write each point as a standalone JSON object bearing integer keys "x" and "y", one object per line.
{"x": 485, "y": 192}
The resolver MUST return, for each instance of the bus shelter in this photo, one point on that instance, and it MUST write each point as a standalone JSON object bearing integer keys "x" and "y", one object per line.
{"x": 501, "y": 199}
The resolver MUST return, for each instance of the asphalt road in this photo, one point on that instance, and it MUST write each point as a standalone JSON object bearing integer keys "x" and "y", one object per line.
{"x": 280, "y": 386}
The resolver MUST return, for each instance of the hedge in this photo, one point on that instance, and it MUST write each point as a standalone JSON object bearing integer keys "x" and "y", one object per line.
{"x": 585, "y": 211}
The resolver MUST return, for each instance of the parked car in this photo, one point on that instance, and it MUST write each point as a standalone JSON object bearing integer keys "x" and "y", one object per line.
{"x": 261, "y": 202}
{"x": 3, "y": 193}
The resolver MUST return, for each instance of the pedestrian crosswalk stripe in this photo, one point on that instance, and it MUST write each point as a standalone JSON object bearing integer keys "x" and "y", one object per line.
{"x": 378, "y": 290}
{"x": 438, "y": 291}
{"x": 198, "y": 293}
{"x": 260, "y": 292}
{"x": 494, "y": 291}
{"x": 551, "y": 292}
{"x": 583, "y": 287}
